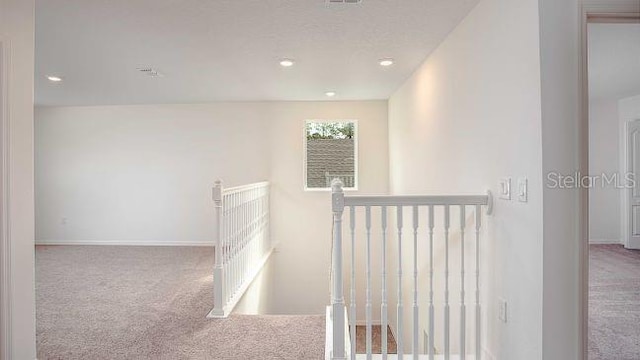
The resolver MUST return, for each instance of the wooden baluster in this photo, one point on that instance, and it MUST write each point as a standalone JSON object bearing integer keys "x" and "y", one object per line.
{"x": 227, "y": 244}
{"x": 258, "y": 225}
{"x": 264, "y": 203}
{"x": 478, "y": 335}
{"x": 463, "y": 325}
{"x": 447, "y": 345}
{"x": 236, "y": 238}
{"x": 337, "y": 301}
{"x": 369, "y": 339}
{"x": 352, "y": 305}
{"x": 415, "y": 284}
{"x": 250, "y": 235}
{"x": 227, "y": 247}
{"x": 218, "y": 269}
{"x": 247, "y": 238}
{"x": 431, "y": 308}
{"x": 254, "y": 231}
{"x": 232, "y": 241}
{"x": 383, "y": 306}
{"x": 400, "y": 308}
{"x": 243, "y": 236}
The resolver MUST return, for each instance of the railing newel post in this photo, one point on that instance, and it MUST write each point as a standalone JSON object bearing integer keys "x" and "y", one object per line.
{"x": 218, "y": 270}
{"x": 337, "y": 298}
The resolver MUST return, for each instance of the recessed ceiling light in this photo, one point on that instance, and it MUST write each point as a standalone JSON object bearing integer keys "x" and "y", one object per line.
{"x": 330, "y": 93}
{"x": 53, "y": 78}
{"x": 386, "y": 62}
{"x": 286, "y": 63}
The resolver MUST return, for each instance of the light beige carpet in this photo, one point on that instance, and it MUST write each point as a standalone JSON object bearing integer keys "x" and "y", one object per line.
{"x": 614, "y": 303}
{"x": 112, "y": 302}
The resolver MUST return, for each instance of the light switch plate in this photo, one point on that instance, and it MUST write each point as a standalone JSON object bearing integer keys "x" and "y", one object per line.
{"x": 523, "y": 190}
{"x": 502, "y": 310}
{"x": 504, "y": 188}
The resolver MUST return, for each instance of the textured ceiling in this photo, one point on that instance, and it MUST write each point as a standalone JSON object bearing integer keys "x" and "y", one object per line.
{"x": 228, "y": 50}
{"x": 614, "y": 61}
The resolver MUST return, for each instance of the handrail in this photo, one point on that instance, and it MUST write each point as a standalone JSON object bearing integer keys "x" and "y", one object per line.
{"x": 452, "y": 206}
{"x": 236, "y": 189}
{"x": 419, "y": 200}
{"x": 241, "y": 240}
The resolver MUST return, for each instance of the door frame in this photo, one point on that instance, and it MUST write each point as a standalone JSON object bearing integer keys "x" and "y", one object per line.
{"x": 5, "y": 238}
{"x": 626, "y": 167}
{"x": 591, "y": 11}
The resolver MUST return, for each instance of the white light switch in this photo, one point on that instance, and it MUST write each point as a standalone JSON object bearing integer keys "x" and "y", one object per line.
{"x": 502, "y": 310}
{"x": 505, "y": 188}
{"x": 523, "y": 190}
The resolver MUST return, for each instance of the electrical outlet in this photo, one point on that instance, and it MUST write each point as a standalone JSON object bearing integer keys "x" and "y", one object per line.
{"x": 64, "y": 221}
{"x": 502, "y": 310}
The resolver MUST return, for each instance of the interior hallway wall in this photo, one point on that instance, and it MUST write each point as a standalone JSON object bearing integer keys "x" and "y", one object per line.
{"x": 141, "y": 175}
{"x": 468, "y": 116}
{"x": 604, "y": 159}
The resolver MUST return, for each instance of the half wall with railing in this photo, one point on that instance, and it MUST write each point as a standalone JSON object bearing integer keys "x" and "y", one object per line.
{"x": 434, "y": 214}
{"x": 242, "y": 243}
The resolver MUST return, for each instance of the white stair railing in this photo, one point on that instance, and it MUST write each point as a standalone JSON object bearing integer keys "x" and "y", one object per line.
{"x": 343, "y": 345}
{"x": 242, "y": 244}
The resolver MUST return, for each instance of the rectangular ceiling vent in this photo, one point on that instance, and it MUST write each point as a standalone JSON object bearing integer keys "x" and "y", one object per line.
{"x": 150, "y": 72}
{"x": 343, "y": 2}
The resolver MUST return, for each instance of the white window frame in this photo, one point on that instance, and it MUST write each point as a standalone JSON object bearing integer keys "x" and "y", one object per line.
{"x": 356, "y": 179}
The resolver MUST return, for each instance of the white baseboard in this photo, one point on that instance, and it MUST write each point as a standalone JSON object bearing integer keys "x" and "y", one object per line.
{"x": 604, "y": 241}
{"x": 364, "y": 322}
{"x": 124, "y": 242}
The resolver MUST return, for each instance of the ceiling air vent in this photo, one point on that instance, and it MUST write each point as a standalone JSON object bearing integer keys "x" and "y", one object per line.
{"x": 150, "y": 72}
{"x": 344, "y": 1}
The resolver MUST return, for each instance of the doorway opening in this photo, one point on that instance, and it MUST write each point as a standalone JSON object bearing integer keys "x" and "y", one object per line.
{"x": 612, "y": 210}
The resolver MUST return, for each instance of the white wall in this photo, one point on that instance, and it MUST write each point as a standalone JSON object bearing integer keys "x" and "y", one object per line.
{"x": 142, "y": 174}
{"x": 560, "y": 66}
{"x": 629, "y": 108}
{"x": 302, "y": 220}
{"x": 468, "y": 116}
{"x": 604, "y": 158}
{"x": 17, "y": 33}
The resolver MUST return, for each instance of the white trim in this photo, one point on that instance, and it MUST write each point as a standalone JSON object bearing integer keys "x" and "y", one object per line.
{"x": 417, "y": 200}
{"x": 328, "y": 343}
{"x": 242, "y": 289}
{"x": 125, "y": 242}
{"x": 604, "y": 241}
{"x": 241, "y": 188}
{"x": 6, "y": 277}
{"x": 420, "y": 357}
{"x": 356, "y": 156}
{"x": 373, "y": 323}
{"x": 625, "y": 168}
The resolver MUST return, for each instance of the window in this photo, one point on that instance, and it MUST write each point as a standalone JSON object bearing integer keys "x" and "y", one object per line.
{"x": 331, "y": 151}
